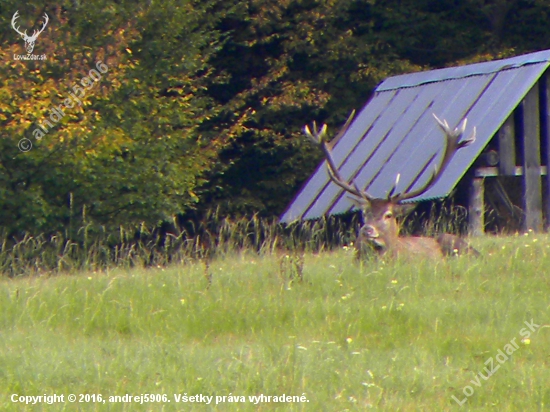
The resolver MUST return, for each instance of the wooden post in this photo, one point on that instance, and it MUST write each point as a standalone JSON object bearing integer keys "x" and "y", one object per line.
{"x": 545, "y": 134}
{"x": 476, "y": 210}
{"x": 507, "y": 147}
{"x": 531, "y": 161}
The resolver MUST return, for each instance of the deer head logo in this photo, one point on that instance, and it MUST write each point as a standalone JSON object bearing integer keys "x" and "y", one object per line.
{"x": 29, "y": 40}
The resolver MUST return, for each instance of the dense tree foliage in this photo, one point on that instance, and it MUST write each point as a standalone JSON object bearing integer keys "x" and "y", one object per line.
{"x": 200, "y": 104}
{"x": 128, "y": 149}
{"x": 288, "y": 62}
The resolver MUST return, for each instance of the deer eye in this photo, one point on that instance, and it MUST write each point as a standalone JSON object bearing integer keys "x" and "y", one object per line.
{"x": 388, "y": 215}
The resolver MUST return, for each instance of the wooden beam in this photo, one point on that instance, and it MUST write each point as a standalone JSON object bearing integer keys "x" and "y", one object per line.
{"x": 476, "y": 209}
{"x": 507, "y": 146}
{"x": 531, "y": 161}
{"x": 489, "y": 171}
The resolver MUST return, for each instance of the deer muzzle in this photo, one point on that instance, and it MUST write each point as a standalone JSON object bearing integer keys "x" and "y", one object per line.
{"x": 371, "y": 235}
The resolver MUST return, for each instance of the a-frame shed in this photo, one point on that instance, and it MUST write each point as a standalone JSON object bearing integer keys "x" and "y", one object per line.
{"x": 506, "y": 100}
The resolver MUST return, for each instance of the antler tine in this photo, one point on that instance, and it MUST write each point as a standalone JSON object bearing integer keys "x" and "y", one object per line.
{"x": 442, "y": 123}
{"x": 394, "y": 188}
{"x": 451, "y": 146}
{"x": 344, "y": 128}
{"x": 319, "y": 136}
{"x": 463, "y": 125}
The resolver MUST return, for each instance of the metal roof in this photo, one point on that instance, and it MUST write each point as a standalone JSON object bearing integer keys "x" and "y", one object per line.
{"x": 396, "y": 133}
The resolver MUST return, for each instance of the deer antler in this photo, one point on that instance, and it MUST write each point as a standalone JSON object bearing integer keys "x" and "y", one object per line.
{"x": 452, "y": 145}
{"x": 13, "y": 21}
{"x": 24, "y": 34}
{"x": 45, "y": 23}
{"x": 319, "y": 137}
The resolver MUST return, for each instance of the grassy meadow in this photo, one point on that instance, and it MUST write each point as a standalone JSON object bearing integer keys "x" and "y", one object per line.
{"x": 401, "y": 336}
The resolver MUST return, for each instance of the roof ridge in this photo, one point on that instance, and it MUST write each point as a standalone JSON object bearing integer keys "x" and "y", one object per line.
{"x": 460, "y": 72}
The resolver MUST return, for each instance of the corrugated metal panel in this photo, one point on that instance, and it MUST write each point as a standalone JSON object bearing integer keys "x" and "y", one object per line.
{"x": 319, "y": 181}
{"x": 417, "y": 130}
{"x": 361, "y": 153}
{"x": 396, "y": 133}
{"x": 487, "y": 113}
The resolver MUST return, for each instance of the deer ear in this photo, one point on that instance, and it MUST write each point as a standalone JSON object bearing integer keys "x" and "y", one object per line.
{"x": 403, "y": 209}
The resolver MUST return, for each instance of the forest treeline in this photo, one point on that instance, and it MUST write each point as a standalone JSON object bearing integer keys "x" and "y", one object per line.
{"x": 149, "y": 109}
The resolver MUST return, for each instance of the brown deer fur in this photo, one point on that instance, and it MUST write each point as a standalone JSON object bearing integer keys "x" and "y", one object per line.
{"x": 381, "y": 229}
{"x": 381, "y": 232}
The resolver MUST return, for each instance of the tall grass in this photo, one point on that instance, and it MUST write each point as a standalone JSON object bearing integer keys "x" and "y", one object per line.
{"x": 444, "y": 217}
{"x": 93, "y": 248}
{"x": 356, "y": 336}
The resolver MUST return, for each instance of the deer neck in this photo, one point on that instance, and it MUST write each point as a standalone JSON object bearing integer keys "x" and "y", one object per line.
{"x": 390, "y": 238}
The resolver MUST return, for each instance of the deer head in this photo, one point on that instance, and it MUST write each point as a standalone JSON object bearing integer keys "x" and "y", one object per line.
{"x": 29, "y": 40}
{"x": 380, "y": 226}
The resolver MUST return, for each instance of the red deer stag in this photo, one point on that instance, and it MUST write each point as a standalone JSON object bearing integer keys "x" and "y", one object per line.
{"x": 380, "y": 228}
